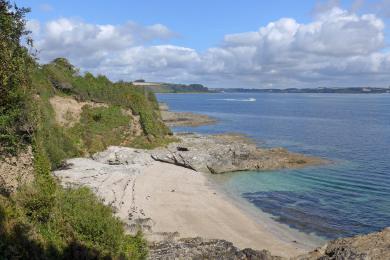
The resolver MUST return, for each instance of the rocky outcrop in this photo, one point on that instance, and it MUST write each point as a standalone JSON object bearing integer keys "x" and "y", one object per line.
{"x": 184, "y": 118}
{"x": 16, "y": 171}
{"x": 116, "y": 155}
{"x": 374, "y": 246}
{"x": 198, "y": 248}
{"x": 228, "y": 153}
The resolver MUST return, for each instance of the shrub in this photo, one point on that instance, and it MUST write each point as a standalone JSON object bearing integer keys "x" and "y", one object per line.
{"x": 100, "y": 127}
{"x": 14, "y": 80}
{"x": 88, "y": 87}
{"x": 77, "y": 224}
{"x": 43, "y": 220}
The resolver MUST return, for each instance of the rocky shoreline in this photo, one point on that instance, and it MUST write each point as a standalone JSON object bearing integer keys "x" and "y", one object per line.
{"x": 168, "y": 202}
{"x": 374, "y": 246}
{"x": 228, "y": 153}
{"x": 165, "y": 194}
{"x": 173, "y": 119}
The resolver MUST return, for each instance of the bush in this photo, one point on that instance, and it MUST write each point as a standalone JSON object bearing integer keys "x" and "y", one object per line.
{"x": 141, "y": 101}
{"x": 93, "y": 223}
{"x": 14, "y": 80}
{"x": 100, "y": 127}
{"x": 43, "y": 220}
{"x": 76, "y": 225}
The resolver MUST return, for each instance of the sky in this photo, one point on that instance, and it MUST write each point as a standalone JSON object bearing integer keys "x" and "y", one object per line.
{"x": 220, "y": 43}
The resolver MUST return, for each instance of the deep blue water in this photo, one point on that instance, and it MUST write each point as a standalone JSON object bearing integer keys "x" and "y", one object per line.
{"x": 347, "y": 197}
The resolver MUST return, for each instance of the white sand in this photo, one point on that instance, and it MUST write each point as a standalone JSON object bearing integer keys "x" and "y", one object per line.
{"x": 195, "y": 208}
{"x": 165, "y": 198}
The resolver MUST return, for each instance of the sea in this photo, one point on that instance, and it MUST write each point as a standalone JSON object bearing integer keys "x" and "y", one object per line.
{"x": 348, "y": 196}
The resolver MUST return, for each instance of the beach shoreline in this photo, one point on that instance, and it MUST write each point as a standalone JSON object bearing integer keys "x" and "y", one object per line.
{"x": 280, "y": 230}
{"x": 170, "y": 199}
{"x": 169, "y": 202}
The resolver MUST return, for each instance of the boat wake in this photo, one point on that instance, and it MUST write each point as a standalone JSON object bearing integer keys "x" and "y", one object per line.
{"x": 237, "y": 99}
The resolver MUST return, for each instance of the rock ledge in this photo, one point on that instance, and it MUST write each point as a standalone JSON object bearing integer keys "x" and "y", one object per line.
{"x": 228, "y": 153}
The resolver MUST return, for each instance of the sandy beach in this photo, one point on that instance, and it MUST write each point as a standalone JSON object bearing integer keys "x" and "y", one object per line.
{"x": 172, "y": 202}
{"x": 184, "y": 201}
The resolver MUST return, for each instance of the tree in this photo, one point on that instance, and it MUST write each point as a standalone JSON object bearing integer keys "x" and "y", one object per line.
{"x": 14, "y": 80}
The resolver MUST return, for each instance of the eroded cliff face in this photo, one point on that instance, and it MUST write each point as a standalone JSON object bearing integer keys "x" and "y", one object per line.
{"x": 16, "y": 171}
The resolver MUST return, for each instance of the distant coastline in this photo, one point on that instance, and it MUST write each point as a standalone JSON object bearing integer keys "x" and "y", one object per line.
{"x": 351, "y": 90}
{"x": 199, "y": 88}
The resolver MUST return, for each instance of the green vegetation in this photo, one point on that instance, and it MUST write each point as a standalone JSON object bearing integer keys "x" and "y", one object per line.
{"x": 102, "y": 126}
{"x": 176, "y": 88}
{"x": 142, "y": 102}
{"x": 43, "y": 223}
{"x": 54, "y": 141}
{"x": 42, "y": 220}
{"x": 15, "y": 63}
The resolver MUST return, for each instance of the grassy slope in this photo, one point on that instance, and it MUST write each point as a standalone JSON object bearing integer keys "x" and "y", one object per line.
{"x": 46, "y": 221}
{"x": 100, "y": 126}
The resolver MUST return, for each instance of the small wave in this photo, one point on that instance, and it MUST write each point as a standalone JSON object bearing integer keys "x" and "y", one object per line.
{"x": 237, "y": 99}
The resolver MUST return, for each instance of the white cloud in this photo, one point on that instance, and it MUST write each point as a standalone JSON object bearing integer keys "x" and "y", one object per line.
{"x": 340, "y": 33}
{"x": 338, "y": 48}
{"x": 89, "y": 45}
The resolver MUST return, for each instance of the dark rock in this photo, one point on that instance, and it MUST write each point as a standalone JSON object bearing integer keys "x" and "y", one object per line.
{"x": 198, "y": 248}
{"x": 182, "y": 149}
{"x": 374, "y": 246}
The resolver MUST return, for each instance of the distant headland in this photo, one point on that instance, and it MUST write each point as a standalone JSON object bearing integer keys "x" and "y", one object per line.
{"x": 161, "y": 87}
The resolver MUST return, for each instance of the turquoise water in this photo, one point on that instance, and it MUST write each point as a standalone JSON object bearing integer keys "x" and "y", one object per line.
{"x": 347, "y": 197}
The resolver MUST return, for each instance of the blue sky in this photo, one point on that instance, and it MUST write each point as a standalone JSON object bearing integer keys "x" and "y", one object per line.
{"x": 200, "y": 24}
{"x": 200, "y": 31}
